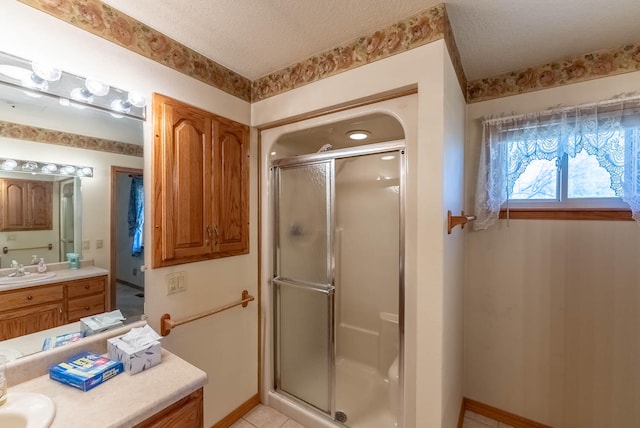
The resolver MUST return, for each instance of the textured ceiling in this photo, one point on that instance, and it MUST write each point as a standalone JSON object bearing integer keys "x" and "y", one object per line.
{"x": 255, "y": 38}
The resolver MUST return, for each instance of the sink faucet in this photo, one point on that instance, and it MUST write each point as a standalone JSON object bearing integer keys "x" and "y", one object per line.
{"x": 19, "y": 269}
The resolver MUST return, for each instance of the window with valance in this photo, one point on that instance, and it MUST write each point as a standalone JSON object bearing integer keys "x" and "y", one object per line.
{"x": 585, "y": 156}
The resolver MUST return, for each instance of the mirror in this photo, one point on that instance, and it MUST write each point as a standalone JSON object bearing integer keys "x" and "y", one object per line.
{"x": 38, "y": 127}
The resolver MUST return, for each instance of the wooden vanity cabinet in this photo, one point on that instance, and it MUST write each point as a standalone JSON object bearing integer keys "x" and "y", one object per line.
{"x": 85, "y": 297}
{"x": 185, "y": 413}
{"x": 31, "y": 309}
{"x": 28, "y": 310}
{"x": 200, "y": 184}
{"x": 26, "y": 205}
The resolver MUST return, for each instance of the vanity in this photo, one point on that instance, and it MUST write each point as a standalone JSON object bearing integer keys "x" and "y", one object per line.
{"x": 167, "y": 395}
{"x": 37, "y": 302}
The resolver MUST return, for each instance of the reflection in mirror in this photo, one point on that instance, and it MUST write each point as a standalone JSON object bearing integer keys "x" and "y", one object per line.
{"x": 83, "y": 212}
{"x": 43, "y": 225}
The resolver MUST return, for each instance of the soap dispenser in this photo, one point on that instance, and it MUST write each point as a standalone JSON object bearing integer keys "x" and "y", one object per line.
{"x": 42, "y": 266}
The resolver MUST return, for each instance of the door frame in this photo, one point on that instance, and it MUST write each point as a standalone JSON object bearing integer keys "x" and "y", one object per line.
{"x": 115, "y": 170}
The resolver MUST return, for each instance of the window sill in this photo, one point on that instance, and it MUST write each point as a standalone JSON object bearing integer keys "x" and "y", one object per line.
{"x": 567, "y": 214}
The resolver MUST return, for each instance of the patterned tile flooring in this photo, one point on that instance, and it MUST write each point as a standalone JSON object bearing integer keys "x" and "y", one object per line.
{"x": 263, "y": 416}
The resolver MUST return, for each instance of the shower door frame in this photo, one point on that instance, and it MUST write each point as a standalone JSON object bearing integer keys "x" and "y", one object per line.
{"x": 397, "y": 146}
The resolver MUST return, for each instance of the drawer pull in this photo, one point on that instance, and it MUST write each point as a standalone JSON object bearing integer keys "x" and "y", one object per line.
{"x": 86, "y": 308}
{"x": 86, "y": 287}
{"x": 29, "y": 297}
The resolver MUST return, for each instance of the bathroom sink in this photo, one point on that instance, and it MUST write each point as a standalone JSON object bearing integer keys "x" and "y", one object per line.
{"x": 27, "y": 410}
{"x": 26, "y": 278}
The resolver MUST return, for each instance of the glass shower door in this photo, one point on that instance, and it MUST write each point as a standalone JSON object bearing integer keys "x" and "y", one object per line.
{"x": 303, "y": 283}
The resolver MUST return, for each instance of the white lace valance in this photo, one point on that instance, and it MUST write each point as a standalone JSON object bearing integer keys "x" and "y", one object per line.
{"x": 608, "y": 131}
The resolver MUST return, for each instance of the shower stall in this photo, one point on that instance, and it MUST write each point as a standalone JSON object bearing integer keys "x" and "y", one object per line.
{"x": 336, "y": 288}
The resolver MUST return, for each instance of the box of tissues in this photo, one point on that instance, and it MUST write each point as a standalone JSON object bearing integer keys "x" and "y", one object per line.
{"x": 138, "y": 349}
{"x": 100, "y": 322}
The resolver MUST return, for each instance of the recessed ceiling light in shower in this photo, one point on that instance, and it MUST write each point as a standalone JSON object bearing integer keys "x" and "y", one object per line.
{"x": 388, "y": 157}
{"x": 358, "y": 134}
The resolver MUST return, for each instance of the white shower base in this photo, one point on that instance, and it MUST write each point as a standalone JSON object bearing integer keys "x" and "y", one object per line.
{"x": 361, "y": 393}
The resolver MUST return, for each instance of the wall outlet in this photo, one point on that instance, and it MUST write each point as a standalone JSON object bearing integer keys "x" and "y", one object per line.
{"x": 99, "y": 243}
{"x": 176, "y": 282}
{"x": 86, "y": 245}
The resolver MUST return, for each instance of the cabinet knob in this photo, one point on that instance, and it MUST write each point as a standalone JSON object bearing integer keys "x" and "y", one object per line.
{"x": 86, "y": 287}
{"x": 29, "y": 297}
{"x": 86, "y": 308}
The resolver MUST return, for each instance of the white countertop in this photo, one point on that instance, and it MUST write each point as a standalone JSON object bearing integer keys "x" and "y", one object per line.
{"x": 60, "y": 275}
{"x": 122, "y": 401}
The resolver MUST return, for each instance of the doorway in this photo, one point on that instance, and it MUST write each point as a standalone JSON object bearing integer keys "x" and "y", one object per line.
{"x": 127, "y": 242}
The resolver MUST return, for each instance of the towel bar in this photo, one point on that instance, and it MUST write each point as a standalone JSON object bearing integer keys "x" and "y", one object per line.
{"x": 166, "y": 324}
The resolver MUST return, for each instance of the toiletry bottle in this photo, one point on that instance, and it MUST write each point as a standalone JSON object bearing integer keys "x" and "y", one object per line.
{"x": 34, "y": 259}
{"x": 3, "y": 380}
{"x": 42, "y": 266}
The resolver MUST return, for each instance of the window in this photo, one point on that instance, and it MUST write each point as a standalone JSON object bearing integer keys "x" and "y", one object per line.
{"x": 584, "y": 157}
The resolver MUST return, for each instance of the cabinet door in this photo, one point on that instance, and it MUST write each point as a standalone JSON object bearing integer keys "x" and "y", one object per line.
{"x": 186, "y": 413}
{"x": 40, "y": 205}
{"x": 14, "y": 205}
{"x": 30, "y": 320}
{"x": 183, "y": 223}
{"x": 231, "y": 164}
{"x": 26, "y": 204}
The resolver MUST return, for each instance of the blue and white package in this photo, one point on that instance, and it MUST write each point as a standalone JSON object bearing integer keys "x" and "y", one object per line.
{"x": 86, "y": 371}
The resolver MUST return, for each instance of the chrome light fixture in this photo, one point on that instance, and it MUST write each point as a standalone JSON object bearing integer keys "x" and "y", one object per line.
{"x": 38, "y": 79}
{"x": 33, "y": 167}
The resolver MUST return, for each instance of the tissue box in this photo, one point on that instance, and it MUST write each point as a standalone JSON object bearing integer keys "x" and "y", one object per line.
{"x": 86, "y": 371}
{"x": 101, "y": 322}
{"x": 135, "y": 360}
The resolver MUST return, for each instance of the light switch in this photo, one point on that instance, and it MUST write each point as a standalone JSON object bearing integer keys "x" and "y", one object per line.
{"x": 86, "y": 245}
{"x": 99, "y": 243}
{"x": 176, "y": 282}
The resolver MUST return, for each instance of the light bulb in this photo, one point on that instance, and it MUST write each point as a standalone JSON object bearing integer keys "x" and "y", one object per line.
{"x": 9, "y": 164}
{"x": 136, "y": 99}
{"x": 46, "y": 72}
{"x": 82, "y": 94}
{"x": 96, "y": 87}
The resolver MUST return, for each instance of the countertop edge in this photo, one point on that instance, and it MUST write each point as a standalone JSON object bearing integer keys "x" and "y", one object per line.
{"x": 125, "y": 400}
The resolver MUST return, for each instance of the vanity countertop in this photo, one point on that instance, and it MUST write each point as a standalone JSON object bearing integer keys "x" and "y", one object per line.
{"x": 123, "y": 401}
{"x": 60, "y": 275}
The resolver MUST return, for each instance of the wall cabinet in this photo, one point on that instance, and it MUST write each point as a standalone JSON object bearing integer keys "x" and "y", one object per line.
{"x": 200, "y": 184}
{"x": 185, "y": 413}
{"x": 26, "y": 205}
{"x": 31, "y": 309}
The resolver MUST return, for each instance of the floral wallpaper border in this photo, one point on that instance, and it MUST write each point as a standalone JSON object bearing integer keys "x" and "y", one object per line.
{"x": 110, "y": 24}
{"x": 605, "y": 63}
{"x": 424, "y": 27}
{"x": 104, "y": 21}
{"x": 49, "y": 136}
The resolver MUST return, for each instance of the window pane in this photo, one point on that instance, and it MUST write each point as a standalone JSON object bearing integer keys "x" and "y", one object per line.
{"x": 587, "y": 179}
{"x": 538, "y": 181}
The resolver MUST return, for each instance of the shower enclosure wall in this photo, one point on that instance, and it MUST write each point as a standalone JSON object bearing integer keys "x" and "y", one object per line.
{"x": 336, "y": 288}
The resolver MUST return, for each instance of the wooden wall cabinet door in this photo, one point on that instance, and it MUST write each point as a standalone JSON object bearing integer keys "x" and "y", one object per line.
{"x": 26, "y": 205}
{"x": 200, "y": 184}
{"x": 231, "y": 168}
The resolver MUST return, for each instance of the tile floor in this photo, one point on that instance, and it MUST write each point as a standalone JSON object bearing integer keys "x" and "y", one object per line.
{"x": 263, "y": 416}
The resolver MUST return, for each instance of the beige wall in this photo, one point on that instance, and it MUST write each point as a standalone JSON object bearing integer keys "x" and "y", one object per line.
{"x": 431, "y": 145}
{"x": 551, "y": 307}
{"x": 225, "y": 346}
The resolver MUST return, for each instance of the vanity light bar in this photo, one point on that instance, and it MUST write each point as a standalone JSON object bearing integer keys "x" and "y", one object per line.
{"x": 32, "y": 167}
{"x": 37, "y": 79}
